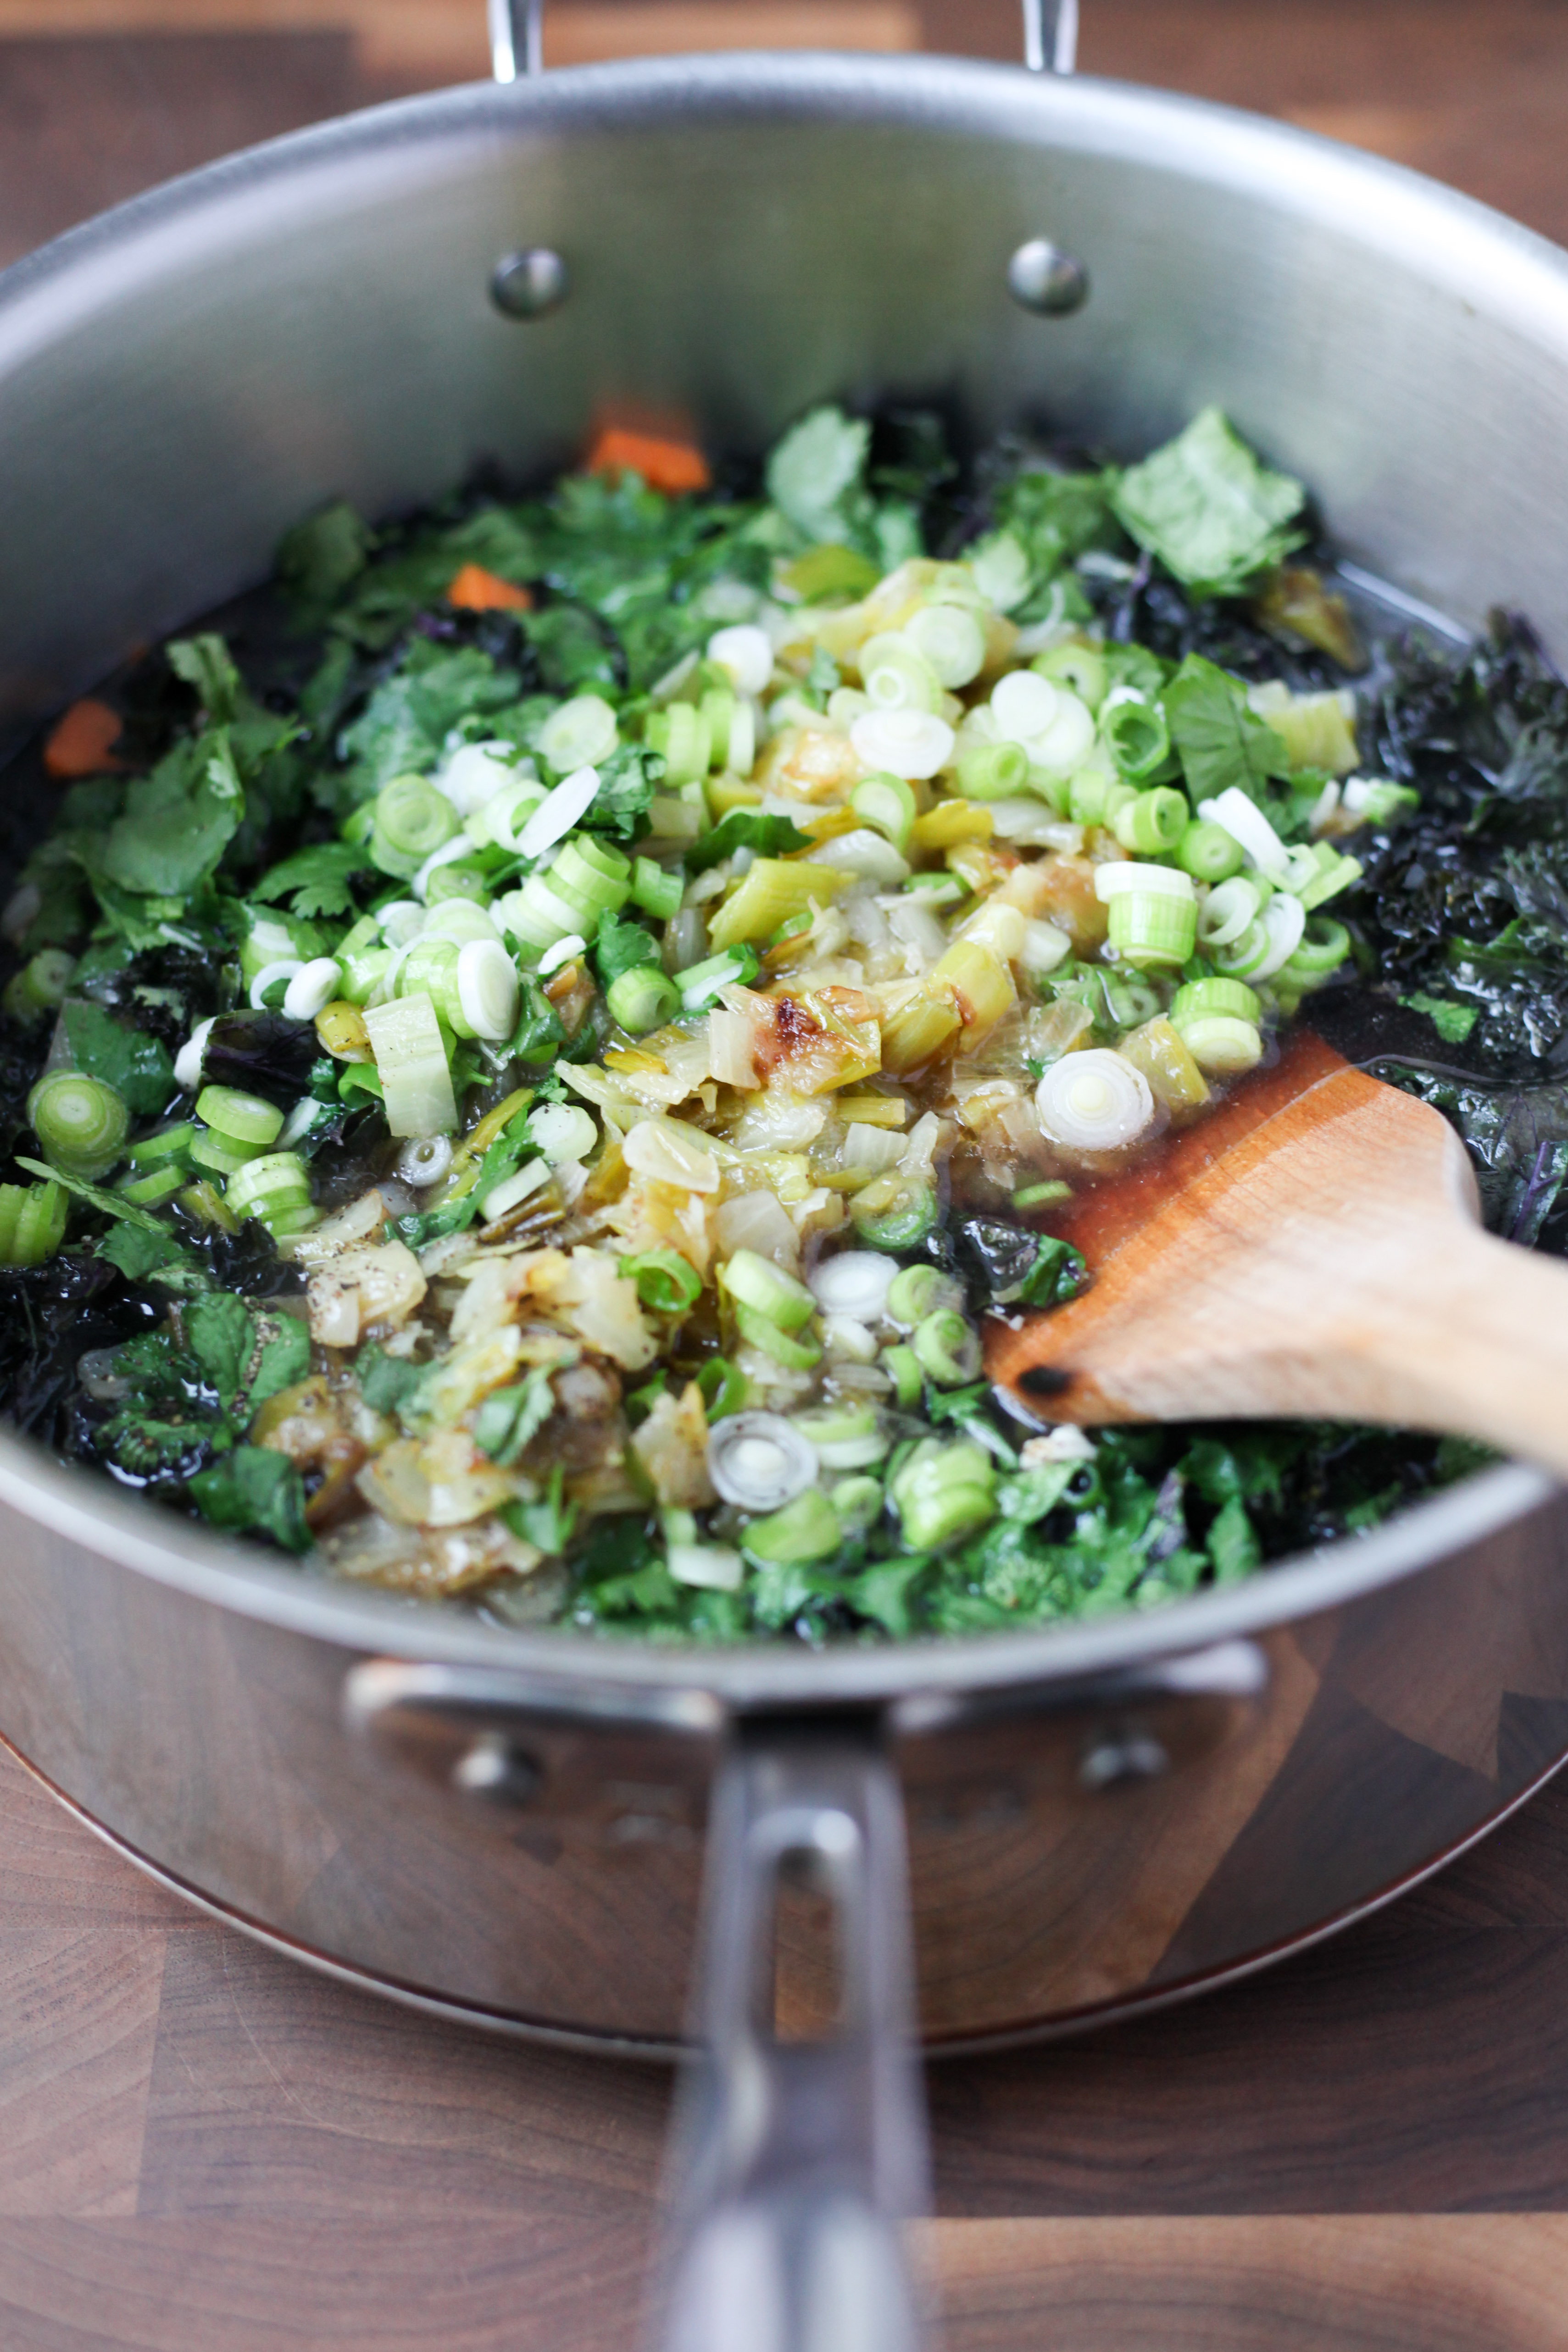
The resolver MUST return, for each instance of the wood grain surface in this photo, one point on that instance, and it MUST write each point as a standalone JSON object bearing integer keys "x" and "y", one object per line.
{"x": 205, "y": 2149}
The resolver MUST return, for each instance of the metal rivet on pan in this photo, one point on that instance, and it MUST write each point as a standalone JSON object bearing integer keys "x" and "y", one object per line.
{"x": 529, "y": 285}
{"x": 1043, "y": 278}
{"x": 491, "y": 1767}
{"x": 1120, "y": 1757}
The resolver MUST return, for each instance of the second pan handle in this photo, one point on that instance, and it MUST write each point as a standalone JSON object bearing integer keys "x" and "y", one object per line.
{"x": 517, "y": 36}
{"x": 796, "y": 2160}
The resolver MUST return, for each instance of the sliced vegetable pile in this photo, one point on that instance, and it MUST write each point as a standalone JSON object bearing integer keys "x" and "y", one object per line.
{"x": 536, "y": 1054}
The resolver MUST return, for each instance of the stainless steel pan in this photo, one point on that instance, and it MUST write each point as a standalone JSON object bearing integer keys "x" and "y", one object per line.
{"x": 509, "y": 1826}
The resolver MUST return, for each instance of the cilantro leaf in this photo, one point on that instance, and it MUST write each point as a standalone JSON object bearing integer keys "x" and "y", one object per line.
{"x": 315, "y": 880}
{"x": 1057, "y": 517}
{"x": 385, "y": 1380}
{"x": 767, "y": 836}
{"x": 284, "y": 1357}
{"x": 627, "y": 780}
{"x": 110, "y": 1204}
{"x": 220, "y": 1334}
{"x": 1233, "y": 1544}
{"x": 548, "y": 1524}
{"x": 317, "y": 559}
{"x": 254, "y": 1491}
{"x": 571, "y": 650}
{"x": 510, "y": 1417}
{"x": 1220, "y": 740}
{"x": 139, "y": 1253}
{"x": 206, "y": 664}
{"x": 1209, "y": 508}
{"x": 246, "y": 1356}
{"x": 1452, "y": 1021}
{"x": 539, "y": 1026}
{"x": 410, "y": 714}
{"x": 1033, "y": 1495}
{"x": 178, "y": 821}
{"x": 137, "y": 1065}
{"x": 621, "y": 947}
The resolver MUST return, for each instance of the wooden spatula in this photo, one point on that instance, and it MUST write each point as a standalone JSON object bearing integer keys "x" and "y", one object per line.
{"x": 1313, "y": 1249}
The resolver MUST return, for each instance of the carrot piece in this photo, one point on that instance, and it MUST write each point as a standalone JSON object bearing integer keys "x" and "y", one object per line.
{"x": 475, "y": 590}
{"x": 665, "y": 465}
{"x": 79, "y": 743}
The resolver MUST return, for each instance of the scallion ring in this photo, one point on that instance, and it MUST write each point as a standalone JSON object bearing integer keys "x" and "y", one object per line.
{"x": 947, "y": 1349}
{"x": 80, "y": 1123}
{"x": 425, "y": 1159}
{"x": 1094, "y": 1101}
{"x": 760, "y": 1462}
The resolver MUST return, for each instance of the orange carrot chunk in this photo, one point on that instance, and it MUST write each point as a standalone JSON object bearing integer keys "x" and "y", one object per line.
{"x": 475, "y": 590}
{"x": 79, "y": 743}
{"x": 664, "y": 465}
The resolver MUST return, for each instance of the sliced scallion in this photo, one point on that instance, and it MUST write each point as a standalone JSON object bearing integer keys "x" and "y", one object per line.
{"x": 159, "y": 1185}
{"x": 80, "y": 1123}
{"x": 947, "y": 1349}
{"x": 1222, "y": 1044}
{"x": 561, "y": 1131}
{"x": 887, "y": 803}
{"x": 274, "y": 1185}
{"x": 1136, "y": 735}
{"x": 665, "y": 1281}
{"x": 580, "y": 734}
{"x": 315, "y": 984}
{"x": 993, "y": 772}
{"x": 32, "y": 1223}
{"x": 760, "y": 1462}
{"x": 797, "y": 1353}
{"x": 1152, "y": 823}
{"x": 943, "y": 1492}
{"x": 857, "y": 1504}
{"x": 699, "y": 983}
{"x": 1152, "y": 930}
{"x": 656, "y": 892}
{"x": 240, "y": 1117}
{"x": 218, "y": 1155}
{"x": 723, "y": 1388}
{"x": 754, "y": 1281}
{"x": 684, "y": 737}
{"x": 805, "y": 1529}
{"x": 40, "y": 986}
{"x": 413, "y": 819}
{"x": 1208, "y": 853}
{"x": 487, "y": 991}
{"x": 902, "y": 1367}
{"x": 642, "y": 998}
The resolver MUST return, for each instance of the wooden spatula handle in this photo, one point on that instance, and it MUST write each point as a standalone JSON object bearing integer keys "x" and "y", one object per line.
{"x": 1472, "y": 1338}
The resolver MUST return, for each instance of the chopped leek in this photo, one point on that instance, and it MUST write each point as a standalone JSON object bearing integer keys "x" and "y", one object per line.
{"x": 411, "y": 1060}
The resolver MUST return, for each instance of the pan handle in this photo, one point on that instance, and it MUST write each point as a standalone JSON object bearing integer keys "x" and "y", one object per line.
{"x": 793, "y": 2162}
{"x": 517, "y": 36}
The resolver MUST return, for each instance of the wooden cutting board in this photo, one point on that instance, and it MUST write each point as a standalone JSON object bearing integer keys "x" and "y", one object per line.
{"x": 205, "y": 2148}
